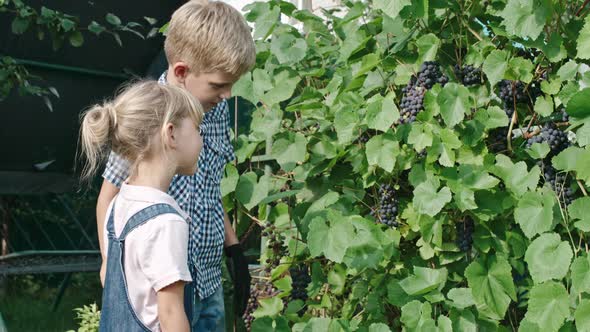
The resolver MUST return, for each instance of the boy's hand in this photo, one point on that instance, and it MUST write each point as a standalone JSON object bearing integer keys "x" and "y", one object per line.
{"x": 238, "y": 267}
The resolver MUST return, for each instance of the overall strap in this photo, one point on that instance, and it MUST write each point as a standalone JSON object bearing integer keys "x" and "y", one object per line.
{"x": 146, "y": 214}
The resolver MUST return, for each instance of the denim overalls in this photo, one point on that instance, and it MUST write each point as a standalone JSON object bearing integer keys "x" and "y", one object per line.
{"x": 117, "y": 313}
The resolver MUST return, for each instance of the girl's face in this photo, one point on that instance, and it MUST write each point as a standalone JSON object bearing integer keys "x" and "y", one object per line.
{"x": 188, "y": 146}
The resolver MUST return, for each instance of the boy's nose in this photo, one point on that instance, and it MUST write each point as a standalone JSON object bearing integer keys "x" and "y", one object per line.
{"x": 226, "y": 93}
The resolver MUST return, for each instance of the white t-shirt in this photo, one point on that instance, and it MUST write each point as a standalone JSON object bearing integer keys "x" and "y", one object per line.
{"x": 155, "y": 252}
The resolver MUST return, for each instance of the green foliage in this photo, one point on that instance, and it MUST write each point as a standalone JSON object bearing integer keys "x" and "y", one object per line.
{"x": 62, "y": 29}
{"x": 328, "y": 92}
{"x": 89, "y": 317}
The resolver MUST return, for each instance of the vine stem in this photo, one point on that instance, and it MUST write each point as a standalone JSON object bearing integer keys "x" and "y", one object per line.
{"x": 582, "y": 7}
{"x": 258, "y": 221}
{"x": 525, "y": 134}
{"x": 582, "y": 187}
{"x": 509, "y": 136}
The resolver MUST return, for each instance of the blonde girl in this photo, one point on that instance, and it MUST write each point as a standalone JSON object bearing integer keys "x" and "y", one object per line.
{"x": 156, "y": 128}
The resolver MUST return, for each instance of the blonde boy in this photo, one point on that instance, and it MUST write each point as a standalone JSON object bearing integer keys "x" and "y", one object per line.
{"x": 208, "y": 47}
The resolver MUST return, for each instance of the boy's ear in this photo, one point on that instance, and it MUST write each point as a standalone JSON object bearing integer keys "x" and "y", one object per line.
{"x": 180, "y": 70}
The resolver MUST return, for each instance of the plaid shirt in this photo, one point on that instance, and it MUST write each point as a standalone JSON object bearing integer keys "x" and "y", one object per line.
{"x": 200, "y": 196}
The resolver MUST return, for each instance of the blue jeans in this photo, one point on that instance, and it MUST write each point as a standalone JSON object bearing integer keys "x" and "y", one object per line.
{"x": 207, "y": 315}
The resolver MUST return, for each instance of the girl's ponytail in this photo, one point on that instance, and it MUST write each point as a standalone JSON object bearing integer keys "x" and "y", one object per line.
{"x": 97, "y": 126}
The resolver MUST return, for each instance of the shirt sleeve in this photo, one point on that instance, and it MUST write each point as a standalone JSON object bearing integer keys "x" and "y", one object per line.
{"x": 231, "y": 155}
{"x": 117, "y": 170}
{"x": 163, "y": 257}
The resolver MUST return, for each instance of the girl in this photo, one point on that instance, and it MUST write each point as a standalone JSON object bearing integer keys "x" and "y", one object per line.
{"x": 156, "y": 128}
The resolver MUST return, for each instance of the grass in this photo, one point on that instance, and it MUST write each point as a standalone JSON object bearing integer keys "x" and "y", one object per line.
{"x": 26, "y": 301}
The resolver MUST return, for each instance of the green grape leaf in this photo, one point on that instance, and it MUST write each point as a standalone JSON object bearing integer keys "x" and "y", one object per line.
{"x": 382, "y": 113}
{"x": 330, "y": 239}
{"x": 271, "y": 307}
{"x": 490, "y": 280}
{"x": 534, "y": 212}
{"x": 454, "y": 103}
{"x": 578, "y": 104}
{"x": 579, "y": 211}
{"x": 548, "y": 257}
{"x": 420, "y": 136}
{"x": 382, "y": 150}
{"x": 584, "y": 40}
{"x": 548, "y": 306}
{"x": 515, "y": 176}
{"x": 424, "y": 280}
{"x": 288, "y": 49}
{"x": 230, "y": 180}
{"x": 391, "y": 7}
{"x": 429, "y": 200}
{"x": 289, "y": 150}
{"x": 574, "y": 159}
{"x": 526, "y": 18}
{"x": 580, "y": 271}
{"x": 495, "y": 65}
{"x": 461, "y": 297}
{"x": 539, "y": 150}
{"x": 544, "y": 106}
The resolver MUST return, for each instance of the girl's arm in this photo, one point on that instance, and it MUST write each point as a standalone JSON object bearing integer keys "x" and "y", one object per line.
{"x": 171, "y": 308}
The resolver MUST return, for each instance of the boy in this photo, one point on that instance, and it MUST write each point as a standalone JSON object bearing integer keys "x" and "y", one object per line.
{"x": 208, "y": 47}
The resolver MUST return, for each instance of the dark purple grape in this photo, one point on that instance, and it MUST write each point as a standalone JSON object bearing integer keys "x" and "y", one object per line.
{"x": 465, "y": 234}
{"x": 413, "y": 93}
{"x": 468, "y": 75}
{"x": 556, "y": 139}
{"x": 387, "y": 211}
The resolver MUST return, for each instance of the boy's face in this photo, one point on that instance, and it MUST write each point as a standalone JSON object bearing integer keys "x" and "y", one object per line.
{"x": 209, "y": 88}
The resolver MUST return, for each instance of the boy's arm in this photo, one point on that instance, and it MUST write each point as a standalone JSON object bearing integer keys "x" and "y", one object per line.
{"x": 106, "y": 195}
{"x": 238, "y": 266}
{"x": 116, "y": 171}
{"x": 230, "y": 235}
{"x": 171, "y": 308}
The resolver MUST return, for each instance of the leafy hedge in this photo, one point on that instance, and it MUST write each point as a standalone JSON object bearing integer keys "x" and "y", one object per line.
{"x": 482, "y": 236}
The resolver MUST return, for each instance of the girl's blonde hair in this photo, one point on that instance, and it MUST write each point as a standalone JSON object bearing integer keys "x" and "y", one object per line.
{"x": 128, "y": 123}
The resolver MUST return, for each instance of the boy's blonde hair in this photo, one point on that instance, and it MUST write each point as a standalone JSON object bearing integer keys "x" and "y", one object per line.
{"x": 128, "y": 124}
{"x": 210, "y": 36}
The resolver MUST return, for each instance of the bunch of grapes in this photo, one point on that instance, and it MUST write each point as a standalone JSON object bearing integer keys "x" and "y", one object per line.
{"x": 275, "y": 244}
{"x": 558, "y": 182}
{"x": 468, "y": 75}
{"x": 564, "y": 116}
{"x": 364, "y": 138}
{"x": 429, "y": 75}
{"x": 516, "y": 92}
{"x": 412, "y": 103}
{"x": 413, "y": 94}
{"x": 301, "y": 280}
{"x": 497, "y": 140}
{"x": 465, "y": 234}
{"x": 388, "y": 204}
{"x": 556, "y": 138}
{"x": 258, "y": 290}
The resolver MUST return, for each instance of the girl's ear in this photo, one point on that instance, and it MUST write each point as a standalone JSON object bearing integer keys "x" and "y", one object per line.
{"x": 170, "y": 136}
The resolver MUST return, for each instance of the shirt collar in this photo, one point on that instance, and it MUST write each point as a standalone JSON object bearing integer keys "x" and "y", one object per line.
{"x": 149, "y": 195}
